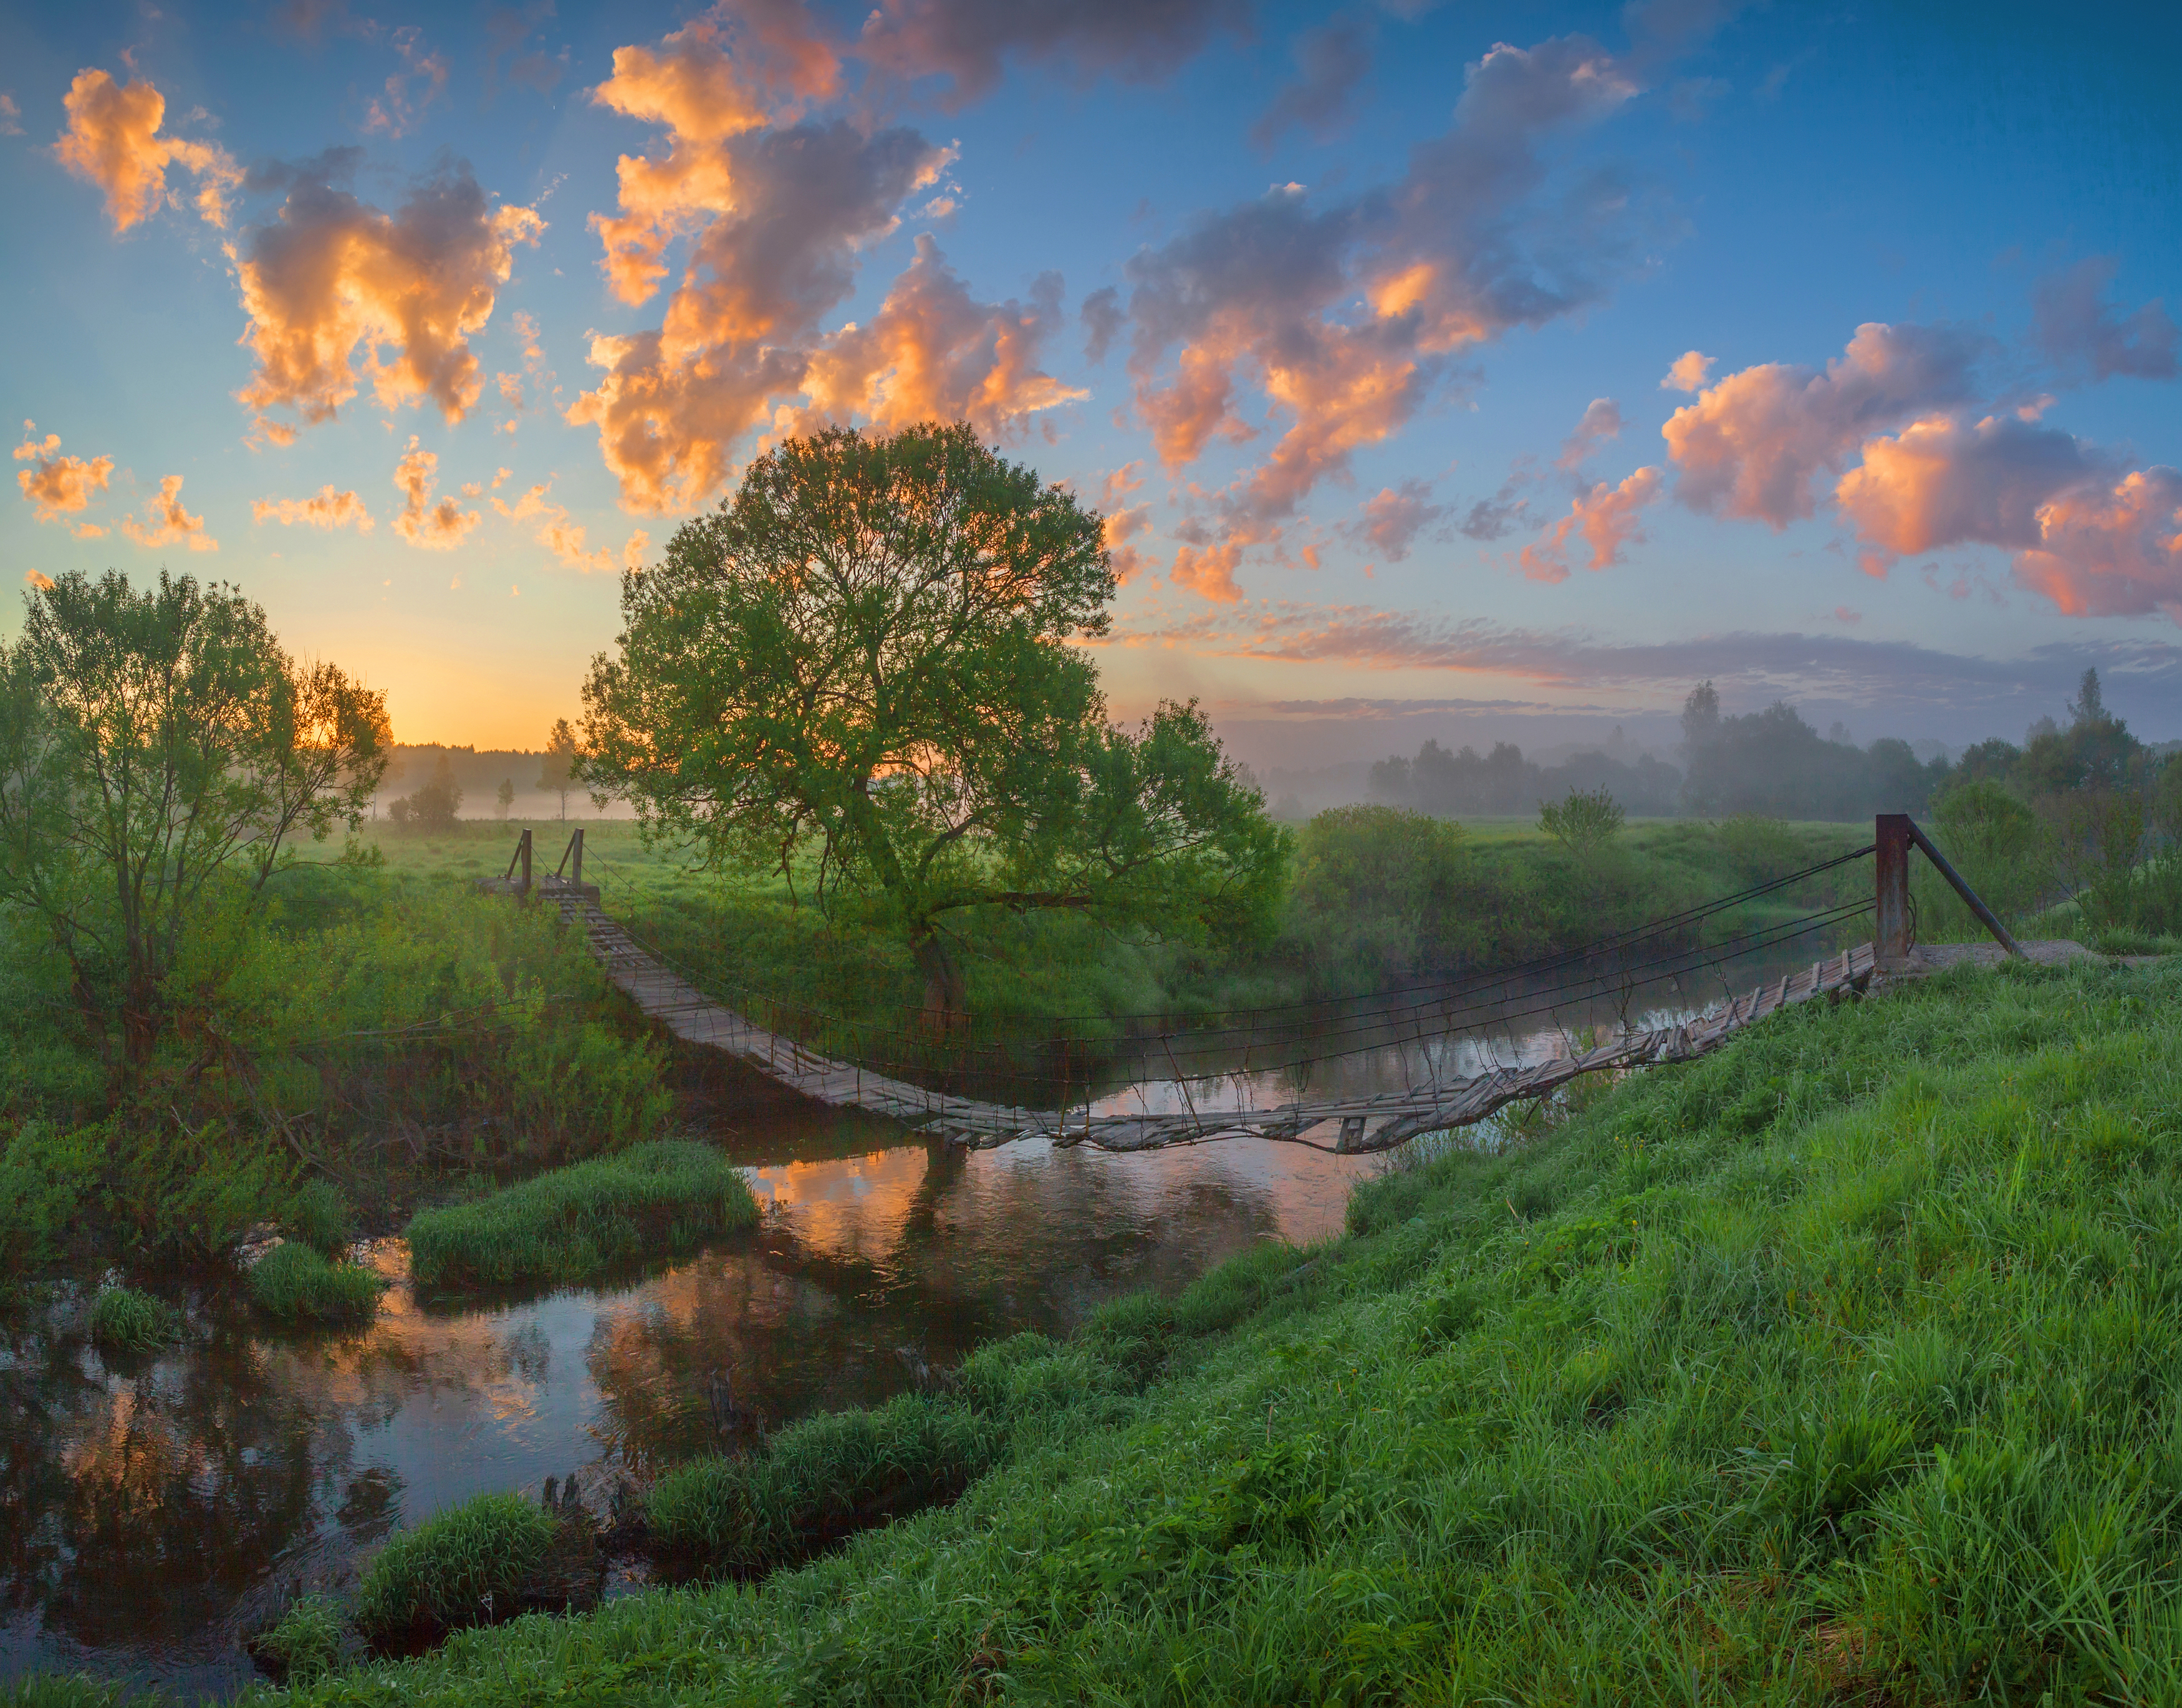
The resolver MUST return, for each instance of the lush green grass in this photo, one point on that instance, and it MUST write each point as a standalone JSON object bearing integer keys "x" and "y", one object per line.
{"x": 124, "y": 1320}
{"x": 296, "y": 1285}
{"x": 321, "y": 1217}
{"x": 1844, "y": 1364}
{"x": 306, "y": 1643}
{"x": 467, "y": 1565}
{"x": 653, "y": 1199}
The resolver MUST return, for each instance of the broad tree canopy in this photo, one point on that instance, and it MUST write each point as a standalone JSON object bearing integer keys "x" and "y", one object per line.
{"x": 873, "y": 652}
{"x": 151, "y": 742}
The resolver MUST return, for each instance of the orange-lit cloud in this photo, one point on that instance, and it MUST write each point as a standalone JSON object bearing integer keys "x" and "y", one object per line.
{"x": 1209, "y": 570}
{"x": 562, "y": 538}
{"x": 113, "y": 139}
{"x": 330, "y": 507}
{"x": 398, "y": 114}
{"x": 1122, "y": 522}
{"x": 429, "y": 526}
{"x": 1393, "y": 519}
{"x": 167, "y": 524}
{"x": 1689, "y": 372}
{"x": 333, "y": 275}
{"x": 730, "y": 71}
{"x": 61, "y": 486}
{"x": 37, "y": 579}
{"x": 1448, "y": 258}
{"x": 933, "y": 353}
{"x": 635, "y": 549}
{"x": 1754, "y": 443}
{"x": 2111, "y": 550}
{"x": 1943, "y": 481}
{"x": 1607, "y": 518}
{"x": 739, "y": 331}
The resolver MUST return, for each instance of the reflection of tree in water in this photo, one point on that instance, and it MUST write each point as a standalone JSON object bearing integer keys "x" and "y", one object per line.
{"x": 138, "y": 1512}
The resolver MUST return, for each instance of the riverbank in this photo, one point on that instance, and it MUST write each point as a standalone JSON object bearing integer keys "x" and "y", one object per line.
{"x": 1836, "y": 1362}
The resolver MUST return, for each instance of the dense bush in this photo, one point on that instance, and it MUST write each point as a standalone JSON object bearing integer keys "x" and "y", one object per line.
{"x": 45, "y": 1176}
{"x": 572, "y": 1224}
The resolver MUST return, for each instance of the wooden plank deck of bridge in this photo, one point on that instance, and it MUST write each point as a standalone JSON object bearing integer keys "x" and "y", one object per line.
{"x": 1364, "y": 1123}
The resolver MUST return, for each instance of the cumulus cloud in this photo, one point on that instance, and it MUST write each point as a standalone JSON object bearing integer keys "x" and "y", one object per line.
{"x": 1601, "y": 422}
{"x": 561, "y": 537}
{"x": 1754, "y": 443}
{"x": 729, "y": 72}
{"x": 112, "y": 141}
{"x": 635, "y": 549}
{"x": 739, "y": 330}
{"x": 1607, "y": 518}
{"x": 2083, "y": 335}
{"x": 934, "y": 353}
{"x": 1124, "y": 522}
{"x": 1330, "y": 61}
{"x": 1464, "y": 248}
{"x": 167, "y": 524}
{"x": 329, "y": 507}
{"x": 421, "y": 522}
{"x": 396, "y": 112}
{"x": 1210, "y": 570}
{"x": 1393, "y": 517}
{"x": 35, "y": 578}
{"x": 333, "y": 275}
{"x": 967, "y": 42}
{"x": 1103, "y": 321}
{"x": 61, "y": 486}
{"x": 2111, "y": 550}
{"x": 1688, "y": 373}
{"x": 11, "y": 124}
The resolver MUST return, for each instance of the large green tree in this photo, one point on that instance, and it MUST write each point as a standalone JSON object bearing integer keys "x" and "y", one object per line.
{"x": 155, "y": 743}
{"x": 872, "y": 654}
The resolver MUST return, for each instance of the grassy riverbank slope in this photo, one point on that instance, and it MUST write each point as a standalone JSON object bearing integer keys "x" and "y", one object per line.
{"x": 1842, "y": 1364}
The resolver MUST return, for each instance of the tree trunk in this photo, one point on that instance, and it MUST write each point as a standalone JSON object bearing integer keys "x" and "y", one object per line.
{"x": 945, "y": 998}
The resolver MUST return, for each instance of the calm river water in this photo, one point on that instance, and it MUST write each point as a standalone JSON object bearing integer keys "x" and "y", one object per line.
{"x": 151, "y": 1515}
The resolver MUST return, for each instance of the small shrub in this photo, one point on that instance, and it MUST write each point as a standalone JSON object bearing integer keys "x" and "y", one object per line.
{"x": 305, "y": 1645}
{"x": 466, "y": 1566}
{"x": 663, "y": 1198}
{"x": 296, "y": 1284}
{"x": 43, "y": 1176}
{"x": 124, "y": 1320}
{"x": 320, "y": 1217}
{"x": 818, "y": 1481}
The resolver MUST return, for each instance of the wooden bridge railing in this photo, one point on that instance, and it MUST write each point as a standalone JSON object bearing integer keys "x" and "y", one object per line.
{"x": 1896, "y": 833}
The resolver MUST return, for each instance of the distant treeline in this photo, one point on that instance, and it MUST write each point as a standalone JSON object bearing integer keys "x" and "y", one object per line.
{"x": 1770, "y": 763}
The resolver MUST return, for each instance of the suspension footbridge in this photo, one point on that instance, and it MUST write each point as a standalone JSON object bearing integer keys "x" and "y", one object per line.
{"x": 1662, "y": 957}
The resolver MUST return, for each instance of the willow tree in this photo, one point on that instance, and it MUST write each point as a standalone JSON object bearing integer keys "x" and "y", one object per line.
{"x": 868, "y": 667}
{"x": 155, "y": 743}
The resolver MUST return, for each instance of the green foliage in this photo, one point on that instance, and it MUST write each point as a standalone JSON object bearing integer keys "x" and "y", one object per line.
{"x": 817, "y": 1481}
{"x": 154, "y": 744}
{"x": 296, "y": 1285}
{"x": 45, "y": 1178}
{"x": 870, "y": 652}
{"x": 467, "y": 1565}
{"x": 1380, "y": 886}
{"x": 433, "y": 808}
{"x": 124, "y": 1320}
{"x": 305, "y": 1645}
{"x": 319, "y": 1215}
{"x": 557, "y": 766}
{"x": 178, "y": 1190}
{"x": 1584, "y": 823}
{"x": 60, "y": 1690}
{"x": 573, "y": 1223}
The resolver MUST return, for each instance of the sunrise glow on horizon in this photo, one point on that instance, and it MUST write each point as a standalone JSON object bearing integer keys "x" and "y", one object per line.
{"x": 1442, "y": 370}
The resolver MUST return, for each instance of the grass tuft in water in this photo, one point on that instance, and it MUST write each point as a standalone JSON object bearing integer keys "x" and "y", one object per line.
{"x": 818, "y": 1481}
{"x": 469, "y": 1566}
{"x": 319, "y": 1216}
{"x": 305, "y": 1645}
{"x": 124, "y": 1320}
{"x": 294, "y": 1283}
{"x": 661, "y": 1198}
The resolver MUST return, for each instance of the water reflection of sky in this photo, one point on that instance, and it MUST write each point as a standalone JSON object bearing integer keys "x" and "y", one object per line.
{"x": 151, "y": 1516}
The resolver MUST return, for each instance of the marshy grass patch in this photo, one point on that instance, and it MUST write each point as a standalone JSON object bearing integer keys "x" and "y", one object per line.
{"x": 321, "y": 1217}
{"x": 126, "y": 1321}
{"x": 661, "y": 1199}
{"x": 296, "y": 1284}
{"x": 467, "y": 1565}
{"x": 305, "y": 1645}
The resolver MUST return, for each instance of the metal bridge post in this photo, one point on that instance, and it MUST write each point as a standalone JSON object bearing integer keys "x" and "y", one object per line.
{"x": 1893, "y": 833}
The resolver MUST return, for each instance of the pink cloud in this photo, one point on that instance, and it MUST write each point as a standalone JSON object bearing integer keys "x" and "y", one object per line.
{"x": 2083, "y": 335}
{"x": 1393, "y": 517}
{"x": 61, "y": 486}
{"x": 2111, "y": 550}
{"x": 1688, "y": 373}
{"x": 1602, "y": 420}
{"x": 330, "y": 507}
{"x": 113, "y": 139}
{"x": 167, "y": 524}
{"x": 428, "y": 525}
{"x": 1607, "y": 518}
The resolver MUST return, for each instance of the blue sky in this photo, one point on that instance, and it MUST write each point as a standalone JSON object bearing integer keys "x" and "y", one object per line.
{"x": 1338, "y": 415}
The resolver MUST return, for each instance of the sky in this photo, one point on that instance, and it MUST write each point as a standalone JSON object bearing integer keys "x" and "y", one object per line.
{"x": 1462, "y": 371}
